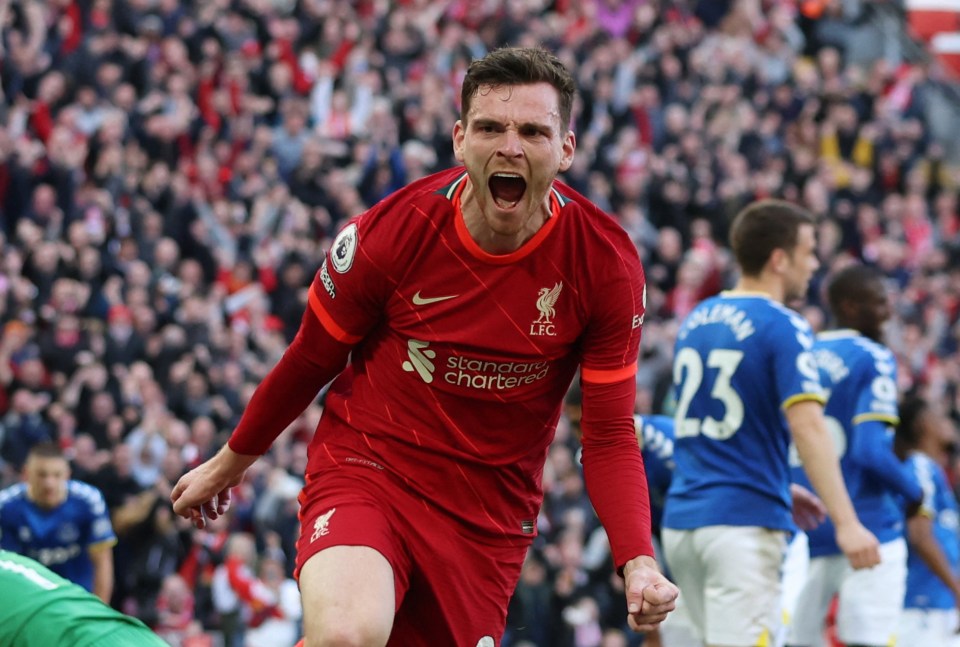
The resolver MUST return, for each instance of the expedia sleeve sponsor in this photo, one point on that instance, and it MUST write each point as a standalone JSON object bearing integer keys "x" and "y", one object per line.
{"x": 326, "y": 281}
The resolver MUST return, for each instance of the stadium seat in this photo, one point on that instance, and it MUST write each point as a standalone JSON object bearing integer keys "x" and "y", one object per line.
{"x": 946, "y": 47}
{"x": 927, "y": 18}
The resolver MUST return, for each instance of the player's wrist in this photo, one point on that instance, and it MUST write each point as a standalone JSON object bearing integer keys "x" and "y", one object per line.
{"x": 229, "y": 465}
{"x": 640, "y": 561}
{"x": 846, "y": 522}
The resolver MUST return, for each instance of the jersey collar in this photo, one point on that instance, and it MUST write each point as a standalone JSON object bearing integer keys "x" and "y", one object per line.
{"x": 456, "y": 191}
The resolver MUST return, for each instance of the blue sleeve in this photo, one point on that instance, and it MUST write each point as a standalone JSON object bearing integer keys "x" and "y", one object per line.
{"x": 8, "y": 532}
{"x": 871, "y": 450}
{"x": 98, "y": 528}
{"x": 928, "y": 485}
{"x": 795, "y": 369}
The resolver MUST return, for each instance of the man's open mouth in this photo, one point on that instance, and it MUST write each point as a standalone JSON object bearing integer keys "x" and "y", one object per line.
{"x": 507, "y": 189}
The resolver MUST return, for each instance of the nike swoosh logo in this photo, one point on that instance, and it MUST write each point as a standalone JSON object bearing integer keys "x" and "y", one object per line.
{"x": 422, "y": 301}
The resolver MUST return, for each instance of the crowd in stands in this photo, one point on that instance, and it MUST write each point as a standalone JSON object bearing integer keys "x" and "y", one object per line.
{"x": 172, "y": 171}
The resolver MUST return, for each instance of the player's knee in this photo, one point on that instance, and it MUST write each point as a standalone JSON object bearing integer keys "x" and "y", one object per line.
{"x": 342, "y": 632}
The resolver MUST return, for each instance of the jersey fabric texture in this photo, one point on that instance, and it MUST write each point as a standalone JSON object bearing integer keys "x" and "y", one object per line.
{"x": 657, "y": 436}
{"x": 58, "y": 538}
{"x": 740, "y": 360}
{"x": 924, "y": 589}
{"x": 860, "y": 376}
{"x": 38, "y": 608}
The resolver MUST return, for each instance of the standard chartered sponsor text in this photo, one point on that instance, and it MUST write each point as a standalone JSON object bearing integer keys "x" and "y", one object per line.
{"x": 482, "y": 374}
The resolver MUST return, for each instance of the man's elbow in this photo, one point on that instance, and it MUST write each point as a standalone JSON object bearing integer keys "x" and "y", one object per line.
{"x": 919, "y": 530}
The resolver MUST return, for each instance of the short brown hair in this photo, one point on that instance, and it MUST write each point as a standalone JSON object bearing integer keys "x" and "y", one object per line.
{"x": 519, "y": 66}
{"x": 763, "y": 226}
{"x": 46, "y": 450}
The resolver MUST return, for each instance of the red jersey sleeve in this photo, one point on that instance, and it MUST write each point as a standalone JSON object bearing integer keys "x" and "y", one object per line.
{"x": 357, "y": 277}
{"x": 612, "y": 464}
{"x": 612, "y": 337}
{"x": 345, "y": 301}
{"x": 313, "y": 358}
{"x": 613, "y": 469}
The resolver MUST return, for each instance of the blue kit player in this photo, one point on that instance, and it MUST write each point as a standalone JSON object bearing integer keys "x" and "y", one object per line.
{"x": 860, "y": 376}
{"x": 745, "y": 383}
{"x": 61, "y": 523}
{"x": 927, "y": 439}
{"x": 655, "y": 436}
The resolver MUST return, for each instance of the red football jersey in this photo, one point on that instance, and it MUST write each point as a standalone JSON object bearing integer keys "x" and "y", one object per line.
{"x": 462, "y": 358}
{"x": 459, "y": 360}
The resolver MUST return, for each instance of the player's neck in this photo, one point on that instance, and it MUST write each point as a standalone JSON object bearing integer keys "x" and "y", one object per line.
{"x": 930, "y": 448}
{"x": 45, "y": 505}
{"x": 487, "y": 237}
{"x": 760, "y": 285}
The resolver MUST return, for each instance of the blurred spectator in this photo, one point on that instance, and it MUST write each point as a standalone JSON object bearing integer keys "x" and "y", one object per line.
{"x": 239, "y": 597}
{"x": 204, "y": 555}
{"x": 23, "y": 427}
{"x": 531, "y": 616}
{"x": 281, "y": 624}
{"x": 175, "y": 610}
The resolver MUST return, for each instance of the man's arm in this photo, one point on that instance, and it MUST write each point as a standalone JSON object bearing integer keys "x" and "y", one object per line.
{"x": 808, "y": 510}
{"x": 8, "y": 533}
{"x": 650, "y": 595}
{"x": 820, "y": 462}
{"x": 613, "y": 468}
{"x": 924, "y": 542}
{"x": 204, "y": 492}
{"x": 872, "y": 453}
{"x": 313, "y": 359}
{"x": 132, "y": 511}
{"x": 101, "y": 555}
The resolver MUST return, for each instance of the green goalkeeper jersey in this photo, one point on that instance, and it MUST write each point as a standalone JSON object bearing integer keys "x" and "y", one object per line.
{"x": 38, "y": 608}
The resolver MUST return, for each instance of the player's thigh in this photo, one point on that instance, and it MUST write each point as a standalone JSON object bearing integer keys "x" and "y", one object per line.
{"x": 348, "y": 597}
{"x": 926, "y": 627}
{"x": 742, "y": 591}
{"x": 679, "y": 629}
{"x": 871, "y": 599}
{"x": 822, "y": 582}
{"x": 796, "y": 565}
{"x": 687, "y": 571}
{"x": 352, "y": 564}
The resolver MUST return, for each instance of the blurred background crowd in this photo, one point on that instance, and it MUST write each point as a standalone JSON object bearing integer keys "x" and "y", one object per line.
{"x": 172, "y": 171}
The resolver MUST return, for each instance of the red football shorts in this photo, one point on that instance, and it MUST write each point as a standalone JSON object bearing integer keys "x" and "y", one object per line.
{"x": 452, "y": 588}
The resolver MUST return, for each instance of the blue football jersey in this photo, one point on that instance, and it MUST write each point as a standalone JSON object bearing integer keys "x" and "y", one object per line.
{"x": 657, "y": 435}
{"x": 860, "y": 378}
{"x": 57, "y": 538}
{"x": 740, "y": 360}
{"x": 924, "y": 589}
